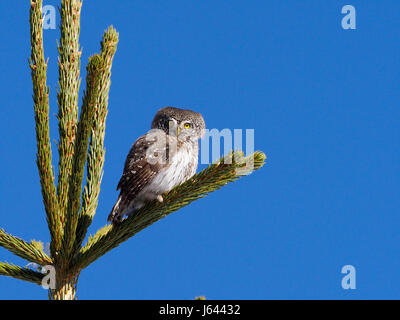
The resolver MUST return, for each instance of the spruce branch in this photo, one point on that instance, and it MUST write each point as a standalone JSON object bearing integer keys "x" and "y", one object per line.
{"x": 67, "y": 97}
{"x": 226, "y": 170}
{"x": 38, "y": 68}
{"x": 69, "y": 210}
{"x": 94, "y": 69}
{"x": 21, "y": 273}
{"x": 23, "y": 249}
{"x": 96, "y": 153}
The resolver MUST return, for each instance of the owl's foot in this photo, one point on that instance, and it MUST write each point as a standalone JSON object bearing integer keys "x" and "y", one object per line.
{"x": 160, "y": 198}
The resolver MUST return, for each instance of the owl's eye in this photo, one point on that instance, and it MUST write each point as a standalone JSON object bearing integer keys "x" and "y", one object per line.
{"x": 171, "y": 123}
{"x": 187, "y": 125}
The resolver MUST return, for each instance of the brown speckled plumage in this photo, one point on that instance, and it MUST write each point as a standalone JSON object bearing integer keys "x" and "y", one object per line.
{"x": 158, "y": 161}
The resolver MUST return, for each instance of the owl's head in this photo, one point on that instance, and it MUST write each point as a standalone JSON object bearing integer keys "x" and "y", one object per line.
{"x": 185, "y": 124}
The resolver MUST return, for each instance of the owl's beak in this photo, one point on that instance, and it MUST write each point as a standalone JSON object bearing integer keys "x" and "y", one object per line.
{"x": 177, "y": 131}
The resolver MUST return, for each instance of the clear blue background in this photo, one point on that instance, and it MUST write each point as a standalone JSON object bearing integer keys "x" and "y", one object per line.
{"x": 324, "y": 103}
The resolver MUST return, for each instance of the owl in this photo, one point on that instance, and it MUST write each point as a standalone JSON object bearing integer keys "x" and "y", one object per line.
{"x": 163, "y": 158}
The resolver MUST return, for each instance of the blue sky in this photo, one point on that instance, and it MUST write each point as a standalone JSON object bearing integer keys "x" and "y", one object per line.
{"x": 324, "y": 104}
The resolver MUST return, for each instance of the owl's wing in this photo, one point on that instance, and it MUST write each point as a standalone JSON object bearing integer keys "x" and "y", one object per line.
{"x": 140, "y": 169}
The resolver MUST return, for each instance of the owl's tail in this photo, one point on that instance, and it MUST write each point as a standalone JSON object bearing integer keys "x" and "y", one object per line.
{"x": 117, "y": 211}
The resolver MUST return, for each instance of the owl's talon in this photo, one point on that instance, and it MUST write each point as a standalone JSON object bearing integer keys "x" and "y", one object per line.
{"x": 160, "y": 198}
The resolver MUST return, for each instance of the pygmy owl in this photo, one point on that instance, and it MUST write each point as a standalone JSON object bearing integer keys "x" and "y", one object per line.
{"x": 163, "y": 158}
